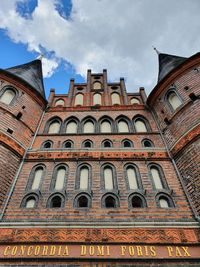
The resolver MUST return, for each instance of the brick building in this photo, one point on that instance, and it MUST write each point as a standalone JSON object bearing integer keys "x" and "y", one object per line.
{"x": 99, "y": 176}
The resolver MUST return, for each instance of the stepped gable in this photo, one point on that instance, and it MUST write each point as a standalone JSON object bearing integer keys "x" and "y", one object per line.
{"x": 167, "y": 63}
{"x": 31, "y": 73}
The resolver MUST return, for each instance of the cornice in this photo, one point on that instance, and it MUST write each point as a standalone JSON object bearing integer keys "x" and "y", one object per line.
{"x": 12, "y": 145}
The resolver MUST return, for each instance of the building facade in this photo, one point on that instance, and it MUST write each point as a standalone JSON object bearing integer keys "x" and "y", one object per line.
{"x": 99, "y": 176}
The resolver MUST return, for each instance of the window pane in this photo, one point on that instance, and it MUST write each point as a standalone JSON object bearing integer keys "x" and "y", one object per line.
{"x": 30, "y": 203}
{"x": 132, "y": 178}
{"x": 108, "y": 179}
{"x": 106, "y": 127}
{"x": 54, "y": 127}
{"x": 135, "y": 101}
{"x": 60, "y": 102}
{"x": 140, "y": 126}
{"x": 71, "y": 127}
{"x": 7, "y": 96}
{"x": 123, "y": 127}
{"x": 156, "y": 178}
{"x": 115, "y": 98}
{"x": 37, "y": 178}
{"x": 174, "y": 100}
{"x": 163, "y": 203}
{"x": 88, "y": 127}
{"x": 84, "y": 178}
{"x": 97, "y": 99}
{"x": 79, "y": 100}
{"x": 60, "y": 179}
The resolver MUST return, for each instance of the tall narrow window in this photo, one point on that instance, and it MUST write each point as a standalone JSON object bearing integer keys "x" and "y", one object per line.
{"x": 71, "y": 127}
{"x": 54, "y": 127}
{"x": 97, "y": 99}
{"x": 84, "y": 178}
{"x": 106, "y": 127}
{"x": 174, "y": 100}
{"x": 7, "y": 96}
{"x": 132, "y": 178}
{"x": 97, "y": 86}
{"x": 115, "y": 98}
{"x": 60, "y": 178}
{"x": 156, "y": 176}
{"x": 140, "y": 126}
{"x": 88, "y": 127}
{"x": 79, "y": 99}
{"x": 37, "y": 177}
{"x": 123, "y": 127}
{"x": 108, "y": 178}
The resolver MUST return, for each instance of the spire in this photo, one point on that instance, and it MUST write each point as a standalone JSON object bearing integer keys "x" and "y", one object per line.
{"x": 31, "y": 73}
{"x": 167, "y": 63}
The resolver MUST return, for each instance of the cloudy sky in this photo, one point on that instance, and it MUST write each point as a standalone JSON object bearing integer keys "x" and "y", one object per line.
{"x": 116, "y": 35}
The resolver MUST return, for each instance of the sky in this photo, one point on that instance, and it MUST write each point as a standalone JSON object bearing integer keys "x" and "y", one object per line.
{"x": 117, "y": 35}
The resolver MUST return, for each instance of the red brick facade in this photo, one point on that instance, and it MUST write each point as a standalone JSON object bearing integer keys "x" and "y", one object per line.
{"x": 148, "y": 140}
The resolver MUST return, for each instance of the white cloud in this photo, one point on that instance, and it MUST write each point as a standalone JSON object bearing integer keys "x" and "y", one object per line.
{"x": 113, "y": 34}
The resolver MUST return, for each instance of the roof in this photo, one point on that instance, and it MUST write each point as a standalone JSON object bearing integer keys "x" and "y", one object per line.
{"x": 167, "y": 63}
{"x": 31, "y": 73}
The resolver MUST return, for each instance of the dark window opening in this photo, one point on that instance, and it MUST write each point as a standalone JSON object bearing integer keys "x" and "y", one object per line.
{"x": 19, "y": 115}
{"x": 107, "y": 144}
{"x": 147, "y": 144}
{"x": 137, "y": 202}
{"x": 83, "y": 202}
{"x": 9, "y": 131}
{"x": 68, "y": 145}
{"x": 56, "y": 202}
{"x": 110, "y": 202}
{"x": 193, "y": 97}
{"x": 87, "y": 144}
{"x": 47, "y": 145}
{"x": 127, "y": 144}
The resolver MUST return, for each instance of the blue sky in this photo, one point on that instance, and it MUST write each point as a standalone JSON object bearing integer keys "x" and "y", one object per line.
{"x": 117, "y": 35}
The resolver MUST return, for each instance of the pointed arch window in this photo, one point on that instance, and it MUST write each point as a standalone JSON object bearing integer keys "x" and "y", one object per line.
{"x": 107, "y": 143}
{"x": 47, "y": 144}
{"x": 71, "y": 127}
{"x": 127, "y": 143}
{"x": 140, "y": 126}
{"x": 115, "y": 99}
{"x": 68, "y": 144}
{"x": 110, "y": 201}
{"x": 147, "y": 143}
{"x": 97, "y": 99}
{"x": 89, "y": 127}
{"x": 174, "y": 100}
{"x": 78, "y": 100}
{"x": 106, "y": 127}
{"x": 54, "y": 127}
{"x": 123, "y": 126}
{"x": 7, "y": 96}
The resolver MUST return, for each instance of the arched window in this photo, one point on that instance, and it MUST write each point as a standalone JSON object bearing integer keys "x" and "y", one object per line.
{"x": 84, "y": 178}
{"x": 110, "y": 201}
{"x": 137, "y": 201}
{"x": 68, "y": 144}
{"x": 97, "y": 86}
{"x": 78, "y": 100}
{"x": 147, "y": 143}
{"x": 108, "y": 178}
{"x": 47, "y": 145}
{"x": 157, "y": 177}
{"x": 35, "y": 178}
{"x": 97, "y": 99}
{"x": 60, "y": 102}
{"x": 107, "y": 143}
{"x": 140, "y": 126}
{"x": 82, "y": 202}
{"x": 88, "y": 127}
{"x": 7, "y": 96}
{"x": 132, "y": 178}
{"x": 60, "y": 178}
{"x": 123, "y": 126}
{"x": 127, "y": 143}
{"x": 164, "y": 201}
{"x": 106, "y": 127}
{"x": 30, "y": 202}
{"x": 135, "y": 100}
{"x": 54, "y": 127}
{"x": 115, "y": 99}
{"x": 71, "y": 127}
{"x": 174, "y": 100}
{"x": 87, "y": 144}
{"x": 56, "y": 202}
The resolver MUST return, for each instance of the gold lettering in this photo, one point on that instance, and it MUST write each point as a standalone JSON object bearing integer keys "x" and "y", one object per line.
{"x": 37, "y": 250}
{"x": 131, "y": 250}
{"x": 59, "y": 250}
{"x": 153, "y": 251}
{"x": 6, "y": 251}
{"x": 146, "y": 251}
{"x": 14, "y": 251}
{"x": 91, "y": 250}
{"x": 186, "y": 253}
{"x": 65, "y": 252}
{"x": 100, "y": 250}
{"x": 170, "y": 251}
{"x": 108, "y": 250}
{"x": 30, "y": 250}
{"x": 123, "y": 249}
{"x": 52, "y": 251}
{"x": 178, "y": 252}
{"x": 139, "y": 250}
{"x": 45, "y": 251}
{"x": 83, "y": 250}
{"x": 22, "y": 250}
